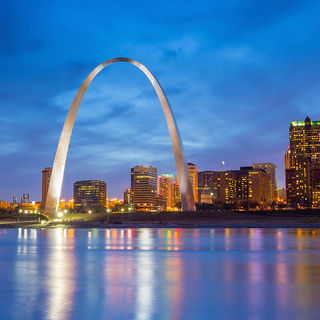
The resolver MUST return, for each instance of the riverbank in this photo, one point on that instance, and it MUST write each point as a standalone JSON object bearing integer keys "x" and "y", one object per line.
{"x": 202, "y": 219}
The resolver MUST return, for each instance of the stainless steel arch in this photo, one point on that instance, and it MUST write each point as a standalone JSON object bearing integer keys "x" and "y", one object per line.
{"x": 55, "y": 185}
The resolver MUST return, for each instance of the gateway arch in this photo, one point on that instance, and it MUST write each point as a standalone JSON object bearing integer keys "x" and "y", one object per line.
{"x": 55, "y": 185}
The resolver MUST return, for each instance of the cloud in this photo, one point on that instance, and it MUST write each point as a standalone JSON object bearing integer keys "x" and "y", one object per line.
{"x": 235, "y": 73}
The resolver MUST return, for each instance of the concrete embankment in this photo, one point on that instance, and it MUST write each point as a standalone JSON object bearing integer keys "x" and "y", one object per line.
{"x": 200, "y": 219}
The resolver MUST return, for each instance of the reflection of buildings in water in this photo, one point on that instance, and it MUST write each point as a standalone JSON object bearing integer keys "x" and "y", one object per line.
{"x": 246, "y": 264}
{"x": 61, "y": 271}
{"x": 255, "y": 241}
{"x": 306, "y": 276}
{"x": 129, "y": 276}
{"x": 271, "y": 272}
{"x": 263, "y": 266}
{"x": 173, "y": 270}
{"x": 196, "y": 239}
{"x": 119, "y": 239}
{"x": 177, "y": 239}
{"x": 144, "y": 281}
{"x": 26, "y": 274}
{"x": 305, "y": 237}
{"x": 145, "y": 239}
{"x": 283, "y": 282}
{"x": 171, "y": 239}
{"x": 281, "y": 275}
{"x": 227, "y": 243}
{"x": 255, "y": 288}
{"x": 307, "y": 283}
{"x": 142, "y": 239}
{"x": 139, "y": 269}
{"x": 27, "y": 241}
{"x": 118, "y": 282}
{"x": 280, "y": 240}
{"x": 91, "y": 271}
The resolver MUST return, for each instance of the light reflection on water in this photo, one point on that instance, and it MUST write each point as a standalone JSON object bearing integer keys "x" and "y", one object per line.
{"x": 60, "y": 264}
{"x": 159, "y": 273}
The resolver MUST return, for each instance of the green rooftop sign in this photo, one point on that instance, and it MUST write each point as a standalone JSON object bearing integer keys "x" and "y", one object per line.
{"x": 302, "y": 123}
{"x": 168, "y": 175}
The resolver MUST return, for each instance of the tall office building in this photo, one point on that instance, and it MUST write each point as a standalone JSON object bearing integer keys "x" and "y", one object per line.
{"x": 128, "y": 197}
{"x": 303, "y": 164}
{"x": 247, "y": 185}
{"x": 236, "y": 188}
{"x": 287, "y": 159}
{"x": 165, "y": 189}
{"x": 270, "y": 169}
{"x": 46, "y": 174}
{"x": 144, "y": 187}
{"x": 176, "y": 193}
{"x": 89, "y": 194}
{"x": 207, "y": 186}
{"x": 193, "y": 172}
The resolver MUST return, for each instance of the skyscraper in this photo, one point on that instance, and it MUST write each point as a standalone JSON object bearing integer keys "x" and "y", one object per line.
{"x": 303, "y": 175}
{"x": 165, "y": 188}
{"x": 247, "y": 185}
{"x": 176, "y": 193}
{"x": 89, "y": 194}
{"x": 46, "y": 174}
{"x": 287, "y": 159}
{"x": 193, "y": 172}
{"x": 128, "y": 197}
{"x": 235, "y": 188}
{"x": 270, "y": 169}
{"x": 207, "y": 186}
{"x": 144, "y": 187}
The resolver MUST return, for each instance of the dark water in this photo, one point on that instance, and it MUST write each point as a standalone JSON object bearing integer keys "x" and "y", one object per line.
{"x": 159, "y": 274}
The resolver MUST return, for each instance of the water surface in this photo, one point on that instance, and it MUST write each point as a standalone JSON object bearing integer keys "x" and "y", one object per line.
{"x": 159, "y": 274}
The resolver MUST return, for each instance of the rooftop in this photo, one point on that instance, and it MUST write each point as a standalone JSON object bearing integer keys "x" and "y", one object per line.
{"x": 303, "y": 123}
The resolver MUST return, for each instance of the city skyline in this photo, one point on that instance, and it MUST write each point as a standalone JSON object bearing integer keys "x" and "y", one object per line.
{"x": 159, "y": 160}
{"x": 190, "y": 167}
{"x": 225, "y": 81}
{"x": 56, "y": 180}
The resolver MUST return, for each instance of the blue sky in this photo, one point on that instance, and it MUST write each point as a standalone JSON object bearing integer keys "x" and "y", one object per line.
{"x": 235, "y": 72}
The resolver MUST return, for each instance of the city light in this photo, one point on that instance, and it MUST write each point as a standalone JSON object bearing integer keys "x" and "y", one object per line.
{"x": 221, "y": 221}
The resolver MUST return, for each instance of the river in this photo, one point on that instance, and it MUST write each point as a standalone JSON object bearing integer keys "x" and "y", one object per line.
{"x": 147, "y": 273}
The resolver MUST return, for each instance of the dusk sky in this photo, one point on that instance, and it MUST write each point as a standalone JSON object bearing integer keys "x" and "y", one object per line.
{"x": 236, "y": 74}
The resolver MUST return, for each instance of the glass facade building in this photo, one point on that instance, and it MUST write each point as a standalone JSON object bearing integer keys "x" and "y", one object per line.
{"x": 303, "y": 164}
{"x": 89, "y": 194}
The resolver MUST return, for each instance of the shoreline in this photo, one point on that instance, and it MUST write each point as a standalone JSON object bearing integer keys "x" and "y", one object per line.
{"x": 197, "y": 225}
{"x": 200, "y": 219}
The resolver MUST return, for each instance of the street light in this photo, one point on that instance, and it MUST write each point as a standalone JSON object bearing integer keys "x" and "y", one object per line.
{"x": 60, "y": 214}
